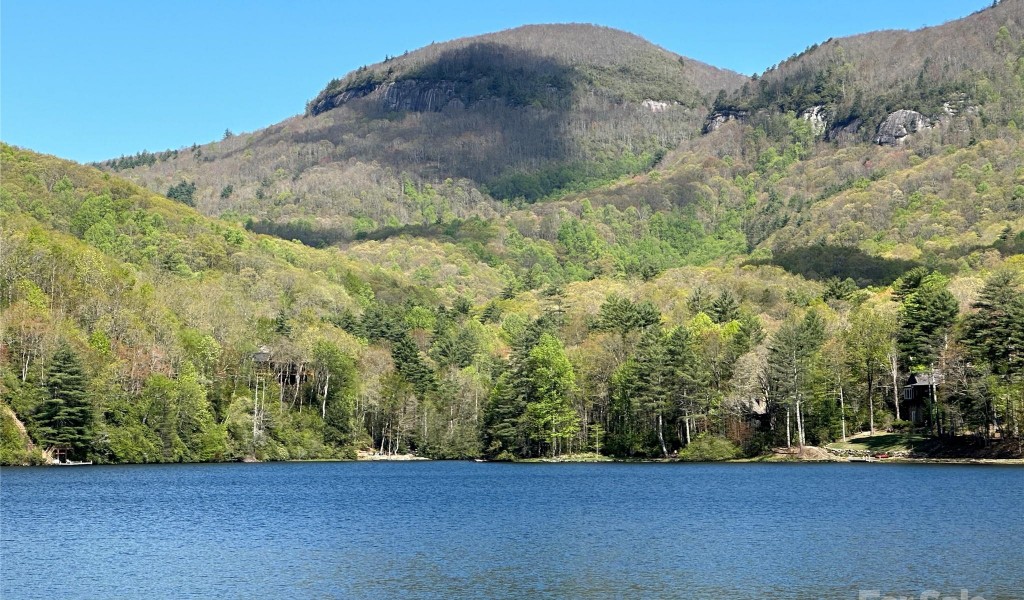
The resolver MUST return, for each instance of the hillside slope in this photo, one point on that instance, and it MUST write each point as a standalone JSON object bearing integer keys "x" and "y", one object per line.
{"x": 848, "y": 86}
{"x": 165, "y": 308}
{"x": 522, "y": 113}
{"x": 189, "y": 339}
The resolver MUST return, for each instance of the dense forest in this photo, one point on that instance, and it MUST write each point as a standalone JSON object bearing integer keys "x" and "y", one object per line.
{"x": 136, "y": 330}
{"x": 629, "y": 288}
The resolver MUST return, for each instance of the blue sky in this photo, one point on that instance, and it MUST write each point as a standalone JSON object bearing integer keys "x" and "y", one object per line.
{"x": 89, "y": 80}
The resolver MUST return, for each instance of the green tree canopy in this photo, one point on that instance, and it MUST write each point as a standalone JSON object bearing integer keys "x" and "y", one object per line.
{"x": 183, "y": 192}
{"x": 995, "y": 332}
{"x": 552, "y": 381}
{"x": 928, "y": 310}
{"x": 66, "y": 418}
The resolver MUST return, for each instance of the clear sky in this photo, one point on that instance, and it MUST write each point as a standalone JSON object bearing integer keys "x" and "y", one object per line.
{"x": 89, "y": 80}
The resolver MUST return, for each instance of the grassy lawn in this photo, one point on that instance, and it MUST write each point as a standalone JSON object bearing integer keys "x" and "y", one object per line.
{"x": 885, "y": 442}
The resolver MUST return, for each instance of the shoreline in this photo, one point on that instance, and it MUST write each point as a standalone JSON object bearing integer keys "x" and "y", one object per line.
{"x": 363, "y": 455}
{"x": 811, "y": 454}
{"x": 1003, "y": 462}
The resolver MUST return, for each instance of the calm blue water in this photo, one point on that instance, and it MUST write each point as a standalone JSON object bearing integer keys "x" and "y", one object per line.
{"x": 473, "y": 530}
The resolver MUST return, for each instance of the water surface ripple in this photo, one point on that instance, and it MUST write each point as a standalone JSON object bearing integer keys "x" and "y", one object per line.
{"x": 488, "y": 530}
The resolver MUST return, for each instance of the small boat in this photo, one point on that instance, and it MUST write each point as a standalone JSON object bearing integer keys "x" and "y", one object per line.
{"x": 72, "y": 463}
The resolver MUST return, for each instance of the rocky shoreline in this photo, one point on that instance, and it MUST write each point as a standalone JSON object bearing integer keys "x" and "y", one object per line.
{"x": 364, "y": 455}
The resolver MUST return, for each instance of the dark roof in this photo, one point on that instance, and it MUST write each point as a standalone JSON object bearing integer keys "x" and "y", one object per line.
{"x": 924, "y": 379}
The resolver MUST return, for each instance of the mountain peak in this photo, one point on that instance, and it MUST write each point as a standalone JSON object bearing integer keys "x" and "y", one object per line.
{"x": 552, "y": 57}
{"x": 852, "y": 84}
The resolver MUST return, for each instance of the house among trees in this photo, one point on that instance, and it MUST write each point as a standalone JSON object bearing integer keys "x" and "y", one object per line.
{"x": 918, "y": 397}
{"x": 262, "y": 356}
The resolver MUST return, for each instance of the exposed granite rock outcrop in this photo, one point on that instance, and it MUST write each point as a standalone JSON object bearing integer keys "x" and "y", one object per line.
{"x": 898, "y": 125}
{"x": 327, "y": 103}
{"x": 408, "y": 95}
{"x": 818, "y": 118}
{"x": 845, "y": 133}
{"x": 415, "y": 96}
{"x": 655, "y": 106}
{"x": 720, "y": 117}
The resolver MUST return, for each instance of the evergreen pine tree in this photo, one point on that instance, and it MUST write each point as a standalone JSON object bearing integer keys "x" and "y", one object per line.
{"x": 724, "y": 308}
{"x": 928, "y": 311}
{"x": 65, "y": 419}
{"x": 791, "y": 354}
{"x": 995, "y": 332}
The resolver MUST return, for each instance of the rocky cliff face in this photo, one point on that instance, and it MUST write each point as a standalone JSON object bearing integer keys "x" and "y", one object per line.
{"x": 326, "y": 103}
{"x": 846, "y": 133}
{"x": 898, "y": 125}
{"x": 720, "y": 117}
{"x": 415, "y": 96}
{"x": 409, "y": 94}
{"x": 817, "y": 117}
{"x": 655, "y": 106}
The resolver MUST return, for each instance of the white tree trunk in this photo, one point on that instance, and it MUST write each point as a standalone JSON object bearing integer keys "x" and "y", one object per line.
{"x": 894, "y": 369}
{"x": 661, "y": 437}
{"x": 871, "y": 408}
{"x": 789, "y": 435}
{"x": 842, "y": 407}
{"x": 799, "y": 423}
{"x": 323, "y": 404}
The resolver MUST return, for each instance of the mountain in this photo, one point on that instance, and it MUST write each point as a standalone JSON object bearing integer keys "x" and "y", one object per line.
{"x": 524, "y": 113}
{"x": 391, "y": 344}
{"x": 880, "y": 152}
{"x": 548, "y": 240}
{"x": 849, "y": 86}
{"x": 782, "y": 175}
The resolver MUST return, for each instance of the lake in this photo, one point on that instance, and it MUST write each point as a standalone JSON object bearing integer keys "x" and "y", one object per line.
{"x": 491, "y": 530}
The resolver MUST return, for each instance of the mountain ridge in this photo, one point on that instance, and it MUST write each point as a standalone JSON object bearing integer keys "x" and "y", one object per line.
{"x": 517, "y": 113}
{"x": 522, "y": 259}
{"x": 852, "y": 83}
{"x": 379, "y": 160}
{"x": 601, "y": 49}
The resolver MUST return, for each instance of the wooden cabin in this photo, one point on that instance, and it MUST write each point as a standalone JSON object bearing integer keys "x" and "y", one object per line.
{"x": 918, "y": 398}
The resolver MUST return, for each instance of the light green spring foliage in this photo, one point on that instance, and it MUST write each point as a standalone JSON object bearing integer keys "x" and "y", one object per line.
{"x": 363, "y": 357}
{"x": 650, "y": 292}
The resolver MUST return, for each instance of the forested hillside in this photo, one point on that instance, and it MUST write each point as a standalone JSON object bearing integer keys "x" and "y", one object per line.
{"x": 133, "y": 329}
{"x": 550, "y": 240}
{"x": 525, "y": 113}
{"x": 848, "y": 86}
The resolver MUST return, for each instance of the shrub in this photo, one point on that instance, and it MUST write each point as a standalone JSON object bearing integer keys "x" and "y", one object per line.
{"x": 708, "y": 448}
{"x": 183, "y": 192}
{"x": 902, "y": 426}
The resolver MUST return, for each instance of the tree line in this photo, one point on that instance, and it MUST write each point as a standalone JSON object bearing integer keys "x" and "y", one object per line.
{"x": 634, "y": 384}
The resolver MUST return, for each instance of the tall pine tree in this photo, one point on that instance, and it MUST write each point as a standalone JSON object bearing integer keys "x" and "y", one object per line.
{"x": 995, "y": 332}
{"x": 65, "y": 419}
{"x": 927, "y": 312}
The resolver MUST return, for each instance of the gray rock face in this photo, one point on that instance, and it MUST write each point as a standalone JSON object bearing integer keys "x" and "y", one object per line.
{"x": 897, "y": 126}
{"x": 816, "y": 116}
{"x": 655, "y": 106}
{"x": 337, "y": 100}
{"x": 415, "y": 96}
{"x": 848, "y": 133}
{"x": 406, "y": 95}
{"x": 721, "y": 117}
